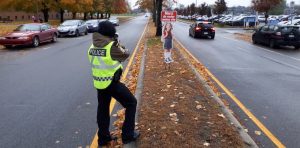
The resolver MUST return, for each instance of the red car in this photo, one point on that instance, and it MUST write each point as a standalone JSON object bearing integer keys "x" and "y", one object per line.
{"x": 30, "y": 34}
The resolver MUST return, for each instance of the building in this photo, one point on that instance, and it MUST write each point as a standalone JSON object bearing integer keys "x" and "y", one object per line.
{"x": 25, "y": 16}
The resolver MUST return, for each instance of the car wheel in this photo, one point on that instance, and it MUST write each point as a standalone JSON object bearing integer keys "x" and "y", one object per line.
{"x": 297, "y": 47}
{"x": 272, "y": 43}
{"x": 54, "y": 38}
{"x": 35, "y": 42}
{"x": 86, "y": 32}
{"x": 194, "y": 35}
{"x": 254, "y": 41}
{"x": 8, "y": 46}
{"x": 212, "y": 37}
{"x": 77, "y": 33}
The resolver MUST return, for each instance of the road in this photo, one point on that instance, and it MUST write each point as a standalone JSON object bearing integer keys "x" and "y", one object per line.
{"x": 46, "y": 94}
{"x": 265, "y": 80}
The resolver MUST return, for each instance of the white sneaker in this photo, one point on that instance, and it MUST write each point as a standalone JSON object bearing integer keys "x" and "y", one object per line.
{"x": 170, "y": 60}
{"x": 167, "y": 60}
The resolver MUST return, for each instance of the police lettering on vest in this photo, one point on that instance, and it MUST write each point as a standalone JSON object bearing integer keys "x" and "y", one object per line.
{"x": 97, "y": 52}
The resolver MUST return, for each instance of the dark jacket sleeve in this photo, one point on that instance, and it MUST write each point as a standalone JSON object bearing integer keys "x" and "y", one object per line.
{"x": 118, "y": 52}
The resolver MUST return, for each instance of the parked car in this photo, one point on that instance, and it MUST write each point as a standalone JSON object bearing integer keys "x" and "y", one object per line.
{"x": 241, "y": 21}
{"x": 277, "y": 35}
{"x": 202, "y": 29}
{"x": 261, "y": 19}
{"x": 72, "y": 28}
{"x": 114, "y": 20}
{"x": 92, "y": 25}
{"x": 30, "y": 34}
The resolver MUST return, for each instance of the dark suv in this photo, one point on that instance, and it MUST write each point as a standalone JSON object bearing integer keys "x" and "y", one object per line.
{"x": 202, "y": 29}
{"x": 276, "y": 35}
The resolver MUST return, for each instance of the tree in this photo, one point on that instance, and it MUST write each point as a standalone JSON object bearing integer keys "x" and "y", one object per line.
{"x": 158, "y": 18}
{"x": 203, "y": 9}
{"x": 220, "y": 7}
{"x": 120, "y": 6}
{"x": 265, "y": 6}
{"x": 279, "y": 9}
{"x": 193, "y": 8}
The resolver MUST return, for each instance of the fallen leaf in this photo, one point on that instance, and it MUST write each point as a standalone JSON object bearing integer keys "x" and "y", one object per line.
{"x": 221, "y": 115}
{"x": 177, "y": 133}
{"x": 114, "y": 115}
{"x": 206, "y": 144}
{"x": 197, "y": 102}
{"x": 257, "y": 133}
{"x": 246, "y": 130}
{"x": 172, "y": 106}
{"x": 199, "y": 107}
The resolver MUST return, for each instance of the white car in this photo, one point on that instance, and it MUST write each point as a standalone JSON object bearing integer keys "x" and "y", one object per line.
{"x": 294, "y": 22}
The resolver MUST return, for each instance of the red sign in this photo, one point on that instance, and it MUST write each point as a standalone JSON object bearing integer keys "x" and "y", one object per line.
{"x": 168, "y": 16}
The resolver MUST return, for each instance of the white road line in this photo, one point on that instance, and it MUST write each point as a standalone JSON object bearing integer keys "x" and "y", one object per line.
{"x": 268, "y": 50}
{"x": 45, "y": 48}
{"x": 277, "y": 61}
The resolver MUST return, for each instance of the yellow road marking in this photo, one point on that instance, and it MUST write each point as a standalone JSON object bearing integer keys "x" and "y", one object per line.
{"x": 239, "y": 103}
{"x": 113, "y": 101}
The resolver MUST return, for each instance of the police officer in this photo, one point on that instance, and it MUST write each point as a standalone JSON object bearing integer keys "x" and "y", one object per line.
{"x": 105, "y": 56}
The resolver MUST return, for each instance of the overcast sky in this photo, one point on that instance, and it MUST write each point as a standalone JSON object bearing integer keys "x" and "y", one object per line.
{"x": 229, "y": 2}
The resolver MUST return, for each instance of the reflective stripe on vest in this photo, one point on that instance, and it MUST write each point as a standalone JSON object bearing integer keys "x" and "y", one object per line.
{"x": 103, "y": 66}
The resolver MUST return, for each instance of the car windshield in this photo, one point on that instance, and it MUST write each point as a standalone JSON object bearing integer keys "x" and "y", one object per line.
{"x": 69, "y": 23}
{"x": 28, "y": 27}
{"x": 91, "y": 22}
{"x": 206, "y": 25}
{"x": 287, "y": 29}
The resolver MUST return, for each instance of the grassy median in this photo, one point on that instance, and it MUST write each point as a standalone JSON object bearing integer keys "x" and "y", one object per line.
{"x": 176, "y": 110}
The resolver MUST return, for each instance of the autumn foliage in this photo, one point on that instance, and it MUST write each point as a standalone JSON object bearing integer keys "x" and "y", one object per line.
{"x": 90, "y": 7}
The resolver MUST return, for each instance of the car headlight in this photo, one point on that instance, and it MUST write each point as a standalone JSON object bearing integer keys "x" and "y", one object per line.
{"x": 2, "y": 38}
{"x": 95, "y": 26}
{"x": 23, "y": 38}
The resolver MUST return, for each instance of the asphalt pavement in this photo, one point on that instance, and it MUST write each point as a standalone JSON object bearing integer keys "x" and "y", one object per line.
{"x": 265, "y": 80}
{"x": 46, "y": 94}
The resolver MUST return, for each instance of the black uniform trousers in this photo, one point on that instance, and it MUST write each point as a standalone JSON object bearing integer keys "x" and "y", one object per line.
{"x": 123, "y": 95}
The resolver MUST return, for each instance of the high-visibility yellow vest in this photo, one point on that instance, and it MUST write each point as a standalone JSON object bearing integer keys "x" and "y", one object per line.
{"x": 103, "y": 66}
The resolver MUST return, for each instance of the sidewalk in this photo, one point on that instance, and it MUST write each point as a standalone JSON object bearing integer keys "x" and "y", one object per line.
{"x": 175, "y": 109}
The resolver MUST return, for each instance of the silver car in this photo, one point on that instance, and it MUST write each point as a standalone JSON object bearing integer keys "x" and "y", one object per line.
{"x": 114, "y": 20}
{"x": 72, "y": 28}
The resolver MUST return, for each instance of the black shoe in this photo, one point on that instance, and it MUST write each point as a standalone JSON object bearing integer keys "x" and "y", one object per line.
{"x": 106, "y": 143}
{"x": 136, "y": 135}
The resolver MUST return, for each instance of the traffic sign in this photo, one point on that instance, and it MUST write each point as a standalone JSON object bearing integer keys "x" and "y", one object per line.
{"x": 168, "y": 16}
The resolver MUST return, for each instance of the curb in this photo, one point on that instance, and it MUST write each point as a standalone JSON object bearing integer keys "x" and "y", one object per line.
{"x": 244, "y": 135}
{"x": 139, "y": 89}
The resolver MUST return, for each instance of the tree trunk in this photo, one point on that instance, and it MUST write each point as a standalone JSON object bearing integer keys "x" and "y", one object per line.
{"x": 108, "y": 15}
{"x": 102, "y": 16}
{"x": 154, "y": 12}
{"x": 97, "y": 15}
{"x": 92, "y": 15}
{"x": 74, "y": 15}
{"x": 266, "y": 17}
{"x": 84, "y": 15}
{"x": 46, "y": 14}
{"x": 159, "y": 25}
{"x": 61, "y": 11}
